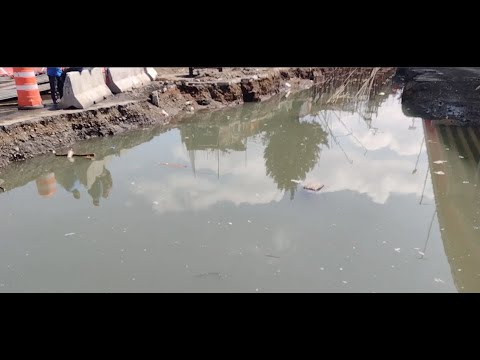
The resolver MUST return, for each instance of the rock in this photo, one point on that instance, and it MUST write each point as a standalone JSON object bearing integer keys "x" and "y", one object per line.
{"x": 203, "y": 102}
{"x": 155, "y": 98}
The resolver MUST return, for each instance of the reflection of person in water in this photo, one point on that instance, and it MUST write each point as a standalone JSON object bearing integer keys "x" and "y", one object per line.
{"x": 69, "y": 180}
{"x": 93, "y": 175}
{"x": 101, "y": 186}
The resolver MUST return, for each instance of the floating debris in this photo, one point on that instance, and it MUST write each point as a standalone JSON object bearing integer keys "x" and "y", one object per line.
{"x": 421, "y": 253}
{"x": 173, "y": 165}
{"x": 397, "y": 249}
{"x": 210, "y": 275}
{"x": 69, "y": 234}
{"x": 381, "y": 94}
{"x": 461, "y": 157}
{"x": 321, "y": 269}
{"x": 230, "y": 223}
{"x": 439, "y": 173}
{"x": 466, "y": 182}
{"x": 71, "y": 154}
{"x": 272, "y": 256}
{"x": 249, "y": 221}
{"x": 312, "y": 185}
{"x": 440, "y": 162}
{"x": 296, "y": 181}
{"x": 439, "y": 280}
{"x": 155, "y": 203}
{"x": 345, "y": 282}
{"x": 459, "y": 269}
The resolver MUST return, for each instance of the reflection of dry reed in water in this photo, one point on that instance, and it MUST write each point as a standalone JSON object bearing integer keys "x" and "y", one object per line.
{"x": 364, "y": 91}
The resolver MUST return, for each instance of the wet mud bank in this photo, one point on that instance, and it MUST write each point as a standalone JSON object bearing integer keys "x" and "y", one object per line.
{"x": 448, "y": 95}
{"x": 159, "y": 103}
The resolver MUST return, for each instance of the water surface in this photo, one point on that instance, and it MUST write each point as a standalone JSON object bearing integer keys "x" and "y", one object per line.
{"x": 211, "y": 205}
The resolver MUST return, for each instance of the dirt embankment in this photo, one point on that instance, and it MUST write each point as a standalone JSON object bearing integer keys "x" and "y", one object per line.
{"x": 157, "y": 103}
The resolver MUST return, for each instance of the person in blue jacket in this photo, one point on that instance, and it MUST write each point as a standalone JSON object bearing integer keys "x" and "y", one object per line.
{"x": 55, "y": 76}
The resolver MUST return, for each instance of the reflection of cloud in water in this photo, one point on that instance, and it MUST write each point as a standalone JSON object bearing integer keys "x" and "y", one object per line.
{"x": 376, "y": 173}
{"x": 376, "y": 178}
{"x": 181, "y": 191}
{"x": 393, "y": 130}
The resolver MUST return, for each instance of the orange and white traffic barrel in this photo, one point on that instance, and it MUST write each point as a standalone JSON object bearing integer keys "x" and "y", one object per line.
{"x": 27, "y": 89}
{"x": 46, "y": 185}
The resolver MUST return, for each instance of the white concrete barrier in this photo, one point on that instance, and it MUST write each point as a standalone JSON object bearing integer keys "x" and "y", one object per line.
{"x": 82, "y": 90}
{"x": 123, "y": 79}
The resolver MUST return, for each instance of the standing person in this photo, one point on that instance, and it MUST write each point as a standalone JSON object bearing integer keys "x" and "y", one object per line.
{"x": 56, "y": 83}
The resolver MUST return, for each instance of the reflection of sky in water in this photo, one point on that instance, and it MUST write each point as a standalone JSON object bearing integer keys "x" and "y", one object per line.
{"x": 233, "y": 220}
{"x": 376, "y": 162}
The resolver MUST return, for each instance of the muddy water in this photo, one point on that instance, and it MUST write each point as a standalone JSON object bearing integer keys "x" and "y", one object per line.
{"x": 211, "y": 205}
